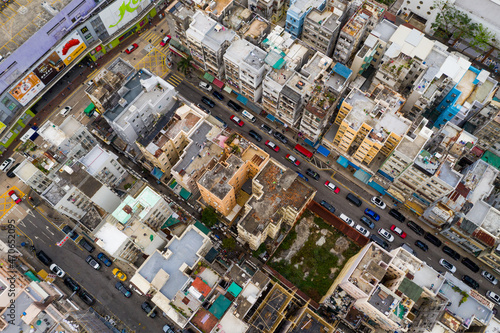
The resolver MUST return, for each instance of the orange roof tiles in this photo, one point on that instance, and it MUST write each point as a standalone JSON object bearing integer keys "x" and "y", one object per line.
{"x": 201, "y": 286}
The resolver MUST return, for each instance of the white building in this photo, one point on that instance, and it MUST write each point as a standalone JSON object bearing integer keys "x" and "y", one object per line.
{"x": 104, "y": 166}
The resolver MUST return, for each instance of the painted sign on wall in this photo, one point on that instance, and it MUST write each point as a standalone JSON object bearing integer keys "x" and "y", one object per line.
{"x": 120, "y": 13}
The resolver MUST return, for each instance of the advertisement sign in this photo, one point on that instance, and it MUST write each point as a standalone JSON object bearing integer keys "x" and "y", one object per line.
{"x": 49, "y": 68}
{"x": 27, "y": 89}
{"x": 120, "y": 13}
{"x": 70, "y": 48}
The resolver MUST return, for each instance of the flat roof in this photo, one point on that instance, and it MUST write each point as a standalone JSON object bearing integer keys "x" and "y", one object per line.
{"x": 384, "y": 30}
{"x": 410, "y": 42}
{"x": 325, "y": 18}
{"x": 410, "y": 148}
{"x": 141, "y": 204}
{"x": 110, "y": 238}
{"x": 270, "y": 311}
{"x": 448, "y": 175}
{"x": 480, "y": 180}
{"x": 217, "y": 179}
{"x": 198, "y": 141}
{"x": 95, "y": 159}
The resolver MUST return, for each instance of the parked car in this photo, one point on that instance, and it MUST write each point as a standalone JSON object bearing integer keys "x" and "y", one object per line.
{"x": 266, "y": 128}
{"x": 237, "y": 120}
{"x": 10, "y": 173}
{"x": 398, "y": 231}
{"x": 347, "y": 220}
{"x": 104, "y": 259}
{"x": 14, "y": 197}
{"x": 384, "y": 233}
{"x": 470, "y": 265}
{"x": 447, "y": 265}
{"x": 327, "y": 206}
{"x": 57, "y": 270}
{"x": 379, "y": 241}
{"x": 378, "y": 202}
{"x": 292, "y": 159}
{"x": 433, "y": 239}
{"x": 124, "y": 290}
{"x": 93, "y": 263}
{"x": 148, "y": 309}
{"x": 354, "y": 199}
{"x": 366, "y": 221}
{"x": 312, "y": 173}
{"x": 222, "y": 121}
{"x": 165, "y": 40}
{"x": 205, "y": 86}
{"x": 71, "y": 284}
{"x": 167, "y": 329}
{"x": 86, "y": 245}
{"x": 371, "y": 214}
{"x": 302, "y": 176}
{"x": 280, "y": 137}
{"x": 416, "y": 228}
{"x": 65, "y": 111}
{"x": 421, "y": 245}
{"x": 255, "y": 135}
{"x": 203, "y": 108}
{"x": 332, "y": 187}
{"x": 272, "y": 145}
{"x": 7, "y": 164}
{"x": 72, "y": 234}
{"x": 362, "y": 230}
{"x": 234, "y": 106}
{"x": 218, "y": 95}
{"x": 488, "y": 276}
{"x": 452, "y": 253}
{"x": 397, "y": 215}
{"x": 470, "y": 282}
{"x": 494, "y": 297}
{"x": 208, "y": 101}
{"x": 86, "y": 297}
{"x": 119, "y": 274}
{"x": 131, "y": 48}
{"x": 44, "y": 258}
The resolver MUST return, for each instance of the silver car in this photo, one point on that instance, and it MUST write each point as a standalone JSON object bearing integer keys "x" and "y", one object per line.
{"x": 488, "y": 276}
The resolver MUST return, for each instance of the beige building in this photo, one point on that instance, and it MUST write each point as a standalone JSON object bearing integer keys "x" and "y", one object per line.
{"x": 487, "y": 127}
{"x": 321, "y": 29}
{"x": 220, "y": 186}
{"x": 278, "y": 196}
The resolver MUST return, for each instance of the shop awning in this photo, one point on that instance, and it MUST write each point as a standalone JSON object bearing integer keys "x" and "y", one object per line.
{"x": 157, "y": 173}
{"x": 242, "y": 99}
{"x": 343, "y": 161}
{"x": 209, "y": 77}
{"x": 323, "y": 151}
{"x": 309, "y": 142}
{"x": 218, "y": 83}
{"x": 270, "y": 117}
{"x": 377, "y": 186}
{"x": 279, "y": 122}
{"x": 185, "y": 194}
{"x": 362, "y": 175}
{"x": 227, "y": 89}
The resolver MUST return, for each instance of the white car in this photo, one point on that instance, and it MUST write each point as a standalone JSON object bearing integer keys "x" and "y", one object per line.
{"x": 384, "y": 233}
{"x": 347, "y": 220}
{"x": 205, "y": 86}
{"x": 7, "y": 164}
{"x": 447, "y": 265}
{"x": 378, "y": 202}
{"x": 494, "y": 297}
{"x": 488, "y": 276}
{"x": 362, "y": 230}
{"x": 57, "y": 270}
{"x": 64, "y": 112}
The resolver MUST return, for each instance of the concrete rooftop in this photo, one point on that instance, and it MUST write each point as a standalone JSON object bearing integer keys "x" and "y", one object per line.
{"x": 217, "y": 179}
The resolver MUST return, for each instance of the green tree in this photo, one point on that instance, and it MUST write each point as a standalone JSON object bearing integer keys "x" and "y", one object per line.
{"x": 229, "y": 243}
{"x": 185, "y": 64}
{"x": 481, "y": 39}
{"x": 209, "y": 217}
{"x": 445, "y": 21}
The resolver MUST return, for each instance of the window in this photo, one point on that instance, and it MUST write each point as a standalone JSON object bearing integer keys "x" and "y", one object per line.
{"x": 418, "y": 7}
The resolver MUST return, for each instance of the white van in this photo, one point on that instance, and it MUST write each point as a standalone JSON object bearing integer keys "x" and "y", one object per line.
{"x": 248, "y": 115}
{"x": 205, "y": 86}
{"x": 6, "y": 164}
{"x": 347, "y": 220}
{"x": 64, "y": 112}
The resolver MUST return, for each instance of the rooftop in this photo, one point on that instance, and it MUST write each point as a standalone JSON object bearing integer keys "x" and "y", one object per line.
{"x": 357, "y": 22}
{"x": 217, "y": 7}
{"x": 317, "y": 65}
{"x": 243, "y": 51}
{"x": 96, "y": 158}
{"x": 281, "y": 188}
{"x": 180, "y": 251}
{"x": 278, "y": 39}
{"x": 199, "y": 139}
{"x": 448, "y": 175}
{"x": 369, "y": 271}
{"x": 139, "y": 206}
{"x": 428, "y": 277}
{"x": 231, "y": 323}
{"x": 480, "y": 180}
{"x": 383, "y": 300}
{"x": 179, "y": 10}
{"x": 111, "y": 239}
{"x": 427, "y": 162}
{"x": 491, "y": 222}
{"x": 310, "y": 322}
{"x": 270, "y": 312}
{"x": 411, "y": 147}
{"x": 384, "y": 30}
{"x": 409, "y": 42}
{"x": 256, "y": 29}
{"x": 327, "y": 19}
{"x": 299, "y": 87}
{"x": 300, "y": 7}
{"x": 217, "y": 179}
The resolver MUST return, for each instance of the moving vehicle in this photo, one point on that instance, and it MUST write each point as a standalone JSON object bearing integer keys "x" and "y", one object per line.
{"x": 104, "y": 259}
{"x": 208, "y": 101}
{"x": 293, "y": 160}
{"x": 165, "y": 40}
{"x": 71, "y": 284}
{"x": 14, "y": 197}
{"x": 237, "y": 120}
{"x": 332, "y": 187}
{"x": 65, "y": 111}
{"x": 378, "y": 202}
{"x": 131, "y": 48}
{"x": 327, "y": 206}
{"x": 205, "y": 86}
{"x": 447, "y": 265}
{"x": 148, "y": 309}
{"x": 57, "y": 270}
{"x": 93, "y": 263}
{"x": 397, "y": 215}
{"x": 255, "y": 135}
{"x": 371, "y": 214}
{"x": 124, "y": 290}
{"x": 272, "y": 145}
{"x": 398, "y": 231}
{"x": 313, "y": 174}
{"x": 303, "y": 151}
{"x": 384, "y": 233}
{"x": 452, "y": 253}
{"x": 86, "y": 245}
{"x": 234, "y": 106}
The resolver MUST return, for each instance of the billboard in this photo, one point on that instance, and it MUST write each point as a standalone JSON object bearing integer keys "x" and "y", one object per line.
{"x": 70, "y": 48}
{"x": 27, "y": 88}
{"x": 120, "y": 13}
{"x": 49, "y": 68}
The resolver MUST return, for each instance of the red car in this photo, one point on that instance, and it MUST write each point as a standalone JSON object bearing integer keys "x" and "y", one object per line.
{"x": 14, "y": 197}
{"x": 332, "y": 187}
{"x": 272, "y": 145}
{"x": 131, "y": 48}
{"x": 292, "y": 159}
{"x": 237, "y": 120}
{"x": 398, "y": 231}
{"x": 165, "y": 40}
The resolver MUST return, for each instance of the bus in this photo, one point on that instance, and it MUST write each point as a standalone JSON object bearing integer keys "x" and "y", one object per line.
{"x": 304, "y": 152}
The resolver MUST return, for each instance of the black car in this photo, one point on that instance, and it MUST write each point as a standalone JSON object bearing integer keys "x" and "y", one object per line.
{"x": 67, "y": 230}
{"x": 327, "y": 206}
{"x": 233, "y": 105}
{"x": 203, "y": 108}
{"x": 43, "y": 257}
{"x": 280, "y": 137}
{"x": 397, "y": 215}
{"x": 470, "y": 265}
{"x": 470, "y": 282}
{"x": 313, "y": 174}
{"x": 266, "y": 128}
{"x": 218, "y": 95}
{"x": 433, "y": 239}
{"x": 71, "y": 284}
{"x": 366, "y": 221}
{"x": 208, "y": 101}
{"x": 86, "y": 297}
{"x": 421, "y": 245}
{"x": 452, "y": 253}
{"x": 124, "y": 290}
{"x": 10, "y": 173}
{"x": 416, "y": 228}
{"x": 147, "y": 308}
{"x": 86, "y": 245}
{"x": 255, "y": 135}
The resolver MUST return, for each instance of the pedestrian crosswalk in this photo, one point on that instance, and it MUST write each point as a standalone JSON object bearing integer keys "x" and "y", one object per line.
{"x": 152, "y": 37}
{"x": 174, "y": 80}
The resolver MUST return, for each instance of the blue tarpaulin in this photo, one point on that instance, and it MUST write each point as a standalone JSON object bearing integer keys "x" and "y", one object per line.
{"x": 157, "y": 173}
{"x": 362, "y": 175}
{"x": 342, "y": 70}
{"x": 309, "y": 142}
{"x": 377, "y": 186}
{"x": 242, "y": 99}
{"x": 323, "y": 151}
{"x": 270, "y": 117}
{"x": 343, "y": 161}
{"x": 279, "y": 121}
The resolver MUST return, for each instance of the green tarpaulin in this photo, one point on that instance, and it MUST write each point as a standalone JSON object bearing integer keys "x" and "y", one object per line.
{"x": 89, "y": 110}
{"x": 209, "y": 77}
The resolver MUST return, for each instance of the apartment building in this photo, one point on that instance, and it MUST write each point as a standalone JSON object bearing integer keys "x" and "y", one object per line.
{"x": 256, "y": 30}
{"x": 245, "y": 69}
{"x": 297, "y": 12}
{"x": 355, "y": 30}
{"x": 182, "y": 16}
{"x": 485, "y": 125}
{"x": 321, "y": 29}
{"x": 369, "y": 125}
{"x": 270, "y": 10}
{"x": 373, "y": 49}
{"x": 220, "y": 186}
{"x": 207, "y": 41}
{"x": 292, "y": 98}
{"x": 278, "y": 196}
{"x": 218, "y": 9}
{"x": 103, "y": 165}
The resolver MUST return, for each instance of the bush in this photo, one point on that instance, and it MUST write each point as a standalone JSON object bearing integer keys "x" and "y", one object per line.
{"x": 209, "y": 217}
{"x": 229, "y": 243}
